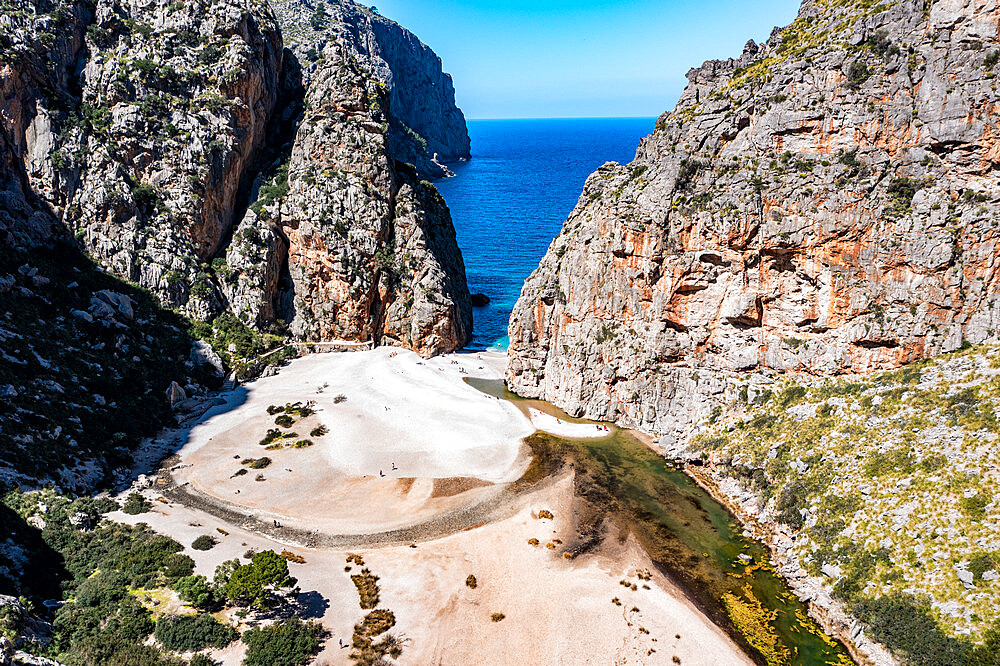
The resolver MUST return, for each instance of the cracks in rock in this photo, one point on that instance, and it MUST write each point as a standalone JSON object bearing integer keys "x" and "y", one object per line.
{"x": 277, "y": 149}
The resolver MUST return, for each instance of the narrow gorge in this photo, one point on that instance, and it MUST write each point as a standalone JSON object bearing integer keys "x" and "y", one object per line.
{"x": 748, "y": 410}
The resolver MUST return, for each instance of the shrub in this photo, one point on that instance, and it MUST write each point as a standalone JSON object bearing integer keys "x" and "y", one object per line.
{"x": 686, "y": 174}
{"x": 250, "y": 585}
{"x": 285, "y": 421}
{"x": 992, "y": 59}
{"x": 202, "y": 660}
{"x": 136, "y": 504}
{"x": 146, "y": 198}
{"x": 367, "y": 584}
{"x": 497, "y": 617}
{"x": 183, "y": 633}
{"x": 177, "y": 566}
{"x": 318, "y": 20}
{"x": 272, "y": 435}
{"x": 273, "y": 191}
{"x": 289, "y": 643}
{"x": 470, "y": 582}
{"x": 975, "y": 507}
{"x": 857, "y": 74}
{"x": 260, "y": 463}
{"x": 545, "y": 513}
{"x": 292, "y": 557}
{"x": 792, "y": 498}
{"x": 197, "y": 591}
{"x": 319, "y": 431}
{"x": 906, "y": 626}
{"x": 204, "y": 542}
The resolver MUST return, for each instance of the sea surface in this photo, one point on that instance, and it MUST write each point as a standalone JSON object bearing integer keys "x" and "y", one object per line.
{"x": 511, "y": 199}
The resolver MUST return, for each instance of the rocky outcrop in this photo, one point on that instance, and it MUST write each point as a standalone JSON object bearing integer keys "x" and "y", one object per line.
{"x": 137, "y": 123}
{"x": 37, "y": 51}
{"x": 824, "y": 204}
{"x": 426, "y": 128}
{"x": 175, "y": 101}
{"x": 372, "y": 253}
{"x": 146, "y": 128}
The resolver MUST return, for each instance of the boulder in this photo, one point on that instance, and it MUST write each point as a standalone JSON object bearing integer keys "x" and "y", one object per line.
{"x": 80, "y": 315}
{"x": 480, "y": 300}
{"x": 176, "y": 394}
{"x": 203, "y": 355}
{"x": 81, "y": 520}
{"x": 121, "y": 303}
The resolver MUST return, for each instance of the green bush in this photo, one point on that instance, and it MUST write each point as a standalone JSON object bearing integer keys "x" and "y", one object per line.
{"x": 289, "y": 643}
{"x": 907, "y": 627}
{"x": 204, "y": 542}
{"x": 147, "y": 198}
{"x": 857, "y": 74}
{"x": 260, "y": 463}
{"x": 251, "y": 585}
{"x": 136, "y": 504}
{"x": 975, "y": 507}
{"x": 197, "y": 591}
{"x": 202, "y": 660}
{"x": 184, "y": 633}
{"x": 273, "y": 191}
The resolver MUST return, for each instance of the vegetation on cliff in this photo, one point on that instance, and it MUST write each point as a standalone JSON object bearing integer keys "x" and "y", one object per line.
{"x": 888, "y": 485}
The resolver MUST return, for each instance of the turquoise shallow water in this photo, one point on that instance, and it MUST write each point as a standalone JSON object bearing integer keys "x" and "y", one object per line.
{"x": 511, "y": 199}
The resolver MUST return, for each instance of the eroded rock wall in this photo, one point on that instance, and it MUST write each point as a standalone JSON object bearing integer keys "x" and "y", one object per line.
{"x": 161, "y": 134}
{"x": 174, "y": 104}
{"x": 427, "y": 129}
{"x": 39, "y": 44}
{"x": 826, "y": 203}
{"x": 372, "y": 253}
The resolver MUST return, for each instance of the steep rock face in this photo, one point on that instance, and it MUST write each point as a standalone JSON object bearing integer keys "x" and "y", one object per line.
{"x": 826, "y": 204}
{"x": 147, "y": 126}
{"x": 38, "y": 46}
{"x": 175, "y": 100}
{"x": 372, "y": 253}
{"x": 426, "y": 127}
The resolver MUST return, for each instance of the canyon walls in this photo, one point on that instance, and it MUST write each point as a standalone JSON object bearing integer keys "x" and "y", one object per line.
{"x": 826, "y": 203}
{"x": 161, "y": 135}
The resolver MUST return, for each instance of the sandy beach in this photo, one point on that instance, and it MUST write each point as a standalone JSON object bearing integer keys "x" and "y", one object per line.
{"x": 408, "y": 444}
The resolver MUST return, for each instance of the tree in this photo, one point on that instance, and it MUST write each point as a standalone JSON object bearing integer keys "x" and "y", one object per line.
{"x": 197, "y": 591}
{"x": 289, "y": 643}
{"x": 183, "y": 633}
{"x": 318, "y": 18}
{"x": 250, "y": 585}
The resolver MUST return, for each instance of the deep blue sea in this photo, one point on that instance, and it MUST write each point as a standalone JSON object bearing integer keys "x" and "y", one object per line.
{"x": 511, "y": 199}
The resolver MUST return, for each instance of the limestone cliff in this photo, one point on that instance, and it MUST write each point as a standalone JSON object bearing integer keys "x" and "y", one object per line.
{"x": 372, "y": 253}
{"x": 426, "y": 128}
{"x": 826, "y": 203}
{"x": 37, "y": 50}
{"x": 146, "y": 127}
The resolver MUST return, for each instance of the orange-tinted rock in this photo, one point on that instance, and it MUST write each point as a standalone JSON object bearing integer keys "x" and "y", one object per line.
{"x": 795, "y": 212}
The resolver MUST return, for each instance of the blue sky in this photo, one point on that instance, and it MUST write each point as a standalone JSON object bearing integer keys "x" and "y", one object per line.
{"x": 582, "y": 58}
